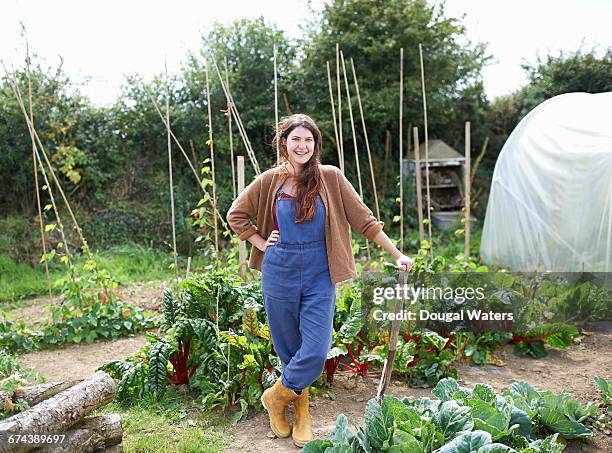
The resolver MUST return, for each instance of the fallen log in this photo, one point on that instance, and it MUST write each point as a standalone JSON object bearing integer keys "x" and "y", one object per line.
{"x": 108, "y": 426}
{"x": 114, "y": 449}
{"x": 34, "y": 394}
{"x": 58, "y": 413}
{"x": 75, "y": 441}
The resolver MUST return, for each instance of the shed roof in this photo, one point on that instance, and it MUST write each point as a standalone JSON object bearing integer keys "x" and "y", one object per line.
{"x": 438, "y": 150}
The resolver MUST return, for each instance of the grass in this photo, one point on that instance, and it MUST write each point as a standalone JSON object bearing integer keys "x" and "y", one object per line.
{"x": 129, "y": 263}
{"x": 169, "y": 425}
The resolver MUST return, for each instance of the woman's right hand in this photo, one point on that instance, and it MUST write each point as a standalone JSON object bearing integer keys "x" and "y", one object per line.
{"x": 271, "y": 239}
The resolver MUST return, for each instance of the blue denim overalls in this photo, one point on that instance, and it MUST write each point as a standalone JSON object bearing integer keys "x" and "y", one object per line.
{"x": 299, "y": 296}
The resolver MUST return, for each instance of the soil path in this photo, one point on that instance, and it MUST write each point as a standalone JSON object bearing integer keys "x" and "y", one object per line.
{"x": 79, "y": 361}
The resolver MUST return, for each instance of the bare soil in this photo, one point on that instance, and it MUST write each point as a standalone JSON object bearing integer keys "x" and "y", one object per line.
{"x": 78, "y": 361}
{"x": 571, "y": 370}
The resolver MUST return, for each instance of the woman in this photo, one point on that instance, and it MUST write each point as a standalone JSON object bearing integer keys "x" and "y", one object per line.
{"x": 302, "y": 245}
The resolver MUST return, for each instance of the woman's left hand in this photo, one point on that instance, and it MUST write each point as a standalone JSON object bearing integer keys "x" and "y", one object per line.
{"x": 404, "y": 263}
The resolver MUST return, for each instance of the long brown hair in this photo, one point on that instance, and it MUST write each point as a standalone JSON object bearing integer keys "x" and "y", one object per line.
{"x": 309, "y": 180}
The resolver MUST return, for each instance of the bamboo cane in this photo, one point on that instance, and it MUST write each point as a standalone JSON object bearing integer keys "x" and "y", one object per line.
{"x": 348, "y": 100}
{"x": 426, "y": 152}
{"x": 212, "y": 159}
{"x": 229, "y": 125}
{"x": 276, "y": 109}
{"x": 175, "y": 255}
{"x": 176, "y": 141}
{"x": 40, "y": 220}
{"x": 340, "y": 138}
{"x": 32, "y": 130}
{"x": 241, "y": 129}
{"x": 367, "y": 142}
{"x": 331, "y": 97}
{"x": 467, "y": 226}
{"x": 401, "y": 136}
{"x": 419, "y": 191}
{"x": 33, "y": 134}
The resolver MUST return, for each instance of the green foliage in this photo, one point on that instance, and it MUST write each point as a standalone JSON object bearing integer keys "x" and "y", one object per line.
{"x": 131, "y": 377}
{"x": 605, "y": 387}
{"x": 216, "y": 341}
{"x": 578, "y": 71}
{"x": 17, "y": 336}
{"x": 552, "y": 413}
{"x": 556, "y": 335}
{"x": 479, "y": 348}
{"x": 12, "y": 376}
{"x": 464, "y": 420}
{"x": 158, "y": 363}
{"x": 74, "y": 323}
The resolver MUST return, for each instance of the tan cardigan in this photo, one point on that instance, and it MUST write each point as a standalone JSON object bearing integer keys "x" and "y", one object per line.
{"x": 343, "y": 207}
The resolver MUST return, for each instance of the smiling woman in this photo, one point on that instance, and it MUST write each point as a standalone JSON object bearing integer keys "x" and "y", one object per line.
{"x": 304, "y": 209}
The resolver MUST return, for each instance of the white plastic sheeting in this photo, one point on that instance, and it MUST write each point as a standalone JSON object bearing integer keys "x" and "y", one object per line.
{"x": 550, "y": 206}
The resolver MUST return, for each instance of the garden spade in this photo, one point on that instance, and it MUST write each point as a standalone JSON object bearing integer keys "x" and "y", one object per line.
{"x": 395, "y": 328}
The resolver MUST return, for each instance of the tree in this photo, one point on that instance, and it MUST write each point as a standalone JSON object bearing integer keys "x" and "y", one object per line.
{"x": 565, "y": 73}
{"x": 372, "y": 33}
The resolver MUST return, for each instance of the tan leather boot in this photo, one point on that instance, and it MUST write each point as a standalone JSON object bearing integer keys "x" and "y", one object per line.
{"x": 302, "y": 430}
{"x": 275, "y": 400}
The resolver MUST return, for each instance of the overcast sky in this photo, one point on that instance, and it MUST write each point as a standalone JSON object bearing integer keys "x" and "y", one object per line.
{"x": 103, "y": 41}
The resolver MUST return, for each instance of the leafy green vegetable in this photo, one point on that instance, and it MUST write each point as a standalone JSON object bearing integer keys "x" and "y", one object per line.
{"x": 464, "y": 420}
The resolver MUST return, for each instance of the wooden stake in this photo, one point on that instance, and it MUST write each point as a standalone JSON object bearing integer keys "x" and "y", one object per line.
{"x": 229, "y": 124}
{"x": 340, "y": 138}
{"x": 419, "y": 191}
{"x": 401, "y": 136}
{"x": 468, "y": 186}
{"x": 331, "y": 97}
{"x": 276, "y": 109}
{"x": 170, "y": 176}
{"x": 242, "y": 245}
{"x": 40, "y": 220}
{"x": 365, "y": 134}
{"x": 407, "y": 176}
{"x": 212, "y": 160}
{"x": 386, "y": 163}
{"x": 426, "y": 152}
{"x": 396, "y": 324}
